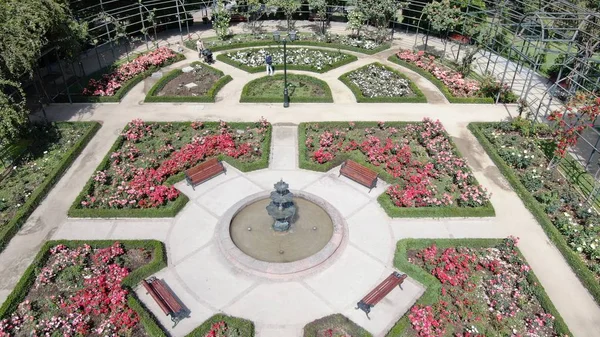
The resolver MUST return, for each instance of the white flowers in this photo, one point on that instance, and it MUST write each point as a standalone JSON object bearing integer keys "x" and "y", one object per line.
{"x": 377, "y": 81}
{"x": 316, "y": 58}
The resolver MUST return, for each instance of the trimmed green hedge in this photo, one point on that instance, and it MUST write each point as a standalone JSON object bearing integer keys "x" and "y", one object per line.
{"x": 586, "y": 276}
{"x": 279, "y": 98}
{"x": 352, "y": 329}
{"x": 263, "y": 43}
{"x": 245, "y": 327}
{"x": 349, "y": 59}
{"x": 125, "y": 87}
{"x": 433, "y": 286}
{"x": 12, "y": 227}
{"x": 360, "y": 98}
{"x": 208, "y": 97}
{"x": 384, "y": 200}
{"x": 440, "y": 84}
{"x": 171, "y": 209}
{"x": 158, "y": 262}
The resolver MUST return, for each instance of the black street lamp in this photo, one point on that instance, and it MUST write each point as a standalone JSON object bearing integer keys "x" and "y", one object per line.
{"x": 291, "y": 36}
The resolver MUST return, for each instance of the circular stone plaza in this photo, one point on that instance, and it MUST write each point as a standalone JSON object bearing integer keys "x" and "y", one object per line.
{"x": 410, "y": 193}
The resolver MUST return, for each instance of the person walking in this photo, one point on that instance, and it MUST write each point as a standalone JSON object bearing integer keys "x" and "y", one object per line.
{"x": 199, "y": 46}
{"x": 269, "y": 62}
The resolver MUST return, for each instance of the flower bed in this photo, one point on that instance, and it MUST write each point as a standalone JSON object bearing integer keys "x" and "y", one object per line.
{"x": 569, "y": 221}
{"x": 83, "y": 288}
{"x": 50, "y": 151}
{"x": 428, "y": 177}
{"x": 302, "y": 89}
{"x": 475, "y": 287}
{"x": 208, "y": 79}
{"x": 452, "y": 84}
{"x": 335, "y": 41}
{"x": 316, "y": 60}
{"x": 134, "y": 178}
{"x": 123, "y": 76}
{"x": 221, "y": 325}
{"x": 336, "y": 325}
{"x": 375, "y": 83}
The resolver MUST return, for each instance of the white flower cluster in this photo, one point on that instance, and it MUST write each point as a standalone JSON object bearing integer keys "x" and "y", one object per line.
{"x": 316, "y": 58}
{"x": 377, "y": 81}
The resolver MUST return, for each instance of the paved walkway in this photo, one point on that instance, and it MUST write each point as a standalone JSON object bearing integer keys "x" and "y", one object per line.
{"x": 208, "y": 283}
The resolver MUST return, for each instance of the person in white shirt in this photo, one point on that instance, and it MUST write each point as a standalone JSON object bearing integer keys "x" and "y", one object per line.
{"x": 199, "y": 46}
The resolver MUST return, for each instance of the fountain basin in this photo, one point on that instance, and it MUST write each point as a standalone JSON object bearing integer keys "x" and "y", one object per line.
{"x": 259, "y": 250}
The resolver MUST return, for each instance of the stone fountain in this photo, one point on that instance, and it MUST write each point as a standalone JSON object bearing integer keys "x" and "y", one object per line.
{"x": 282, "y": 207}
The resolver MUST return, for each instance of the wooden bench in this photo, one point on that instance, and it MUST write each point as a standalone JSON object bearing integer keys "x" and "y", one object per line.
{"x": 377, "y": 294}
{"x": 165, "y": 299}
{"x": 359, "y": 173}
{"x": 204, "y": 171}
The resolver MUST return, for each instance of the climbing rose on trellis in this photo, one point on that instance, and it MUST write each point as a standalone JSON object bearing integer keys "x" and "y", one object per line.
{"x": 570, "y": 121}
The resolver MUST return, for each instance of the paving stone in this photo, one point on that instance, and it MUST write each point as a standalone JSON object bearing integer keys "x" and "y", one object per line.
{"x": 193, "y": 228}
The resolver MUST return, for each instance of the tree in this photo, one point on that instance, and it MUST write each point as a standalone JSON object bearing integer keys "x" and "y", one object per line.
{"x": 26, "y": 27}
{"x": 289, "y": 7}
{"x": 356, "y": 21}
{"x": 320, "y": 7}
{"x": 221, "y": 20}
{"x": 443, "y": 17}
{"x": 253, "y": 11}
{"x": 380, "y": 14}
{"x": 13, "y": 113}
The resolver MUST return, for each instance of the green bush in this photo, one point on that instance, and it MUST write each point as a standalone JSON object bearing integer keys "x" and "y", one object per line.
{"x": 208, "y": 97}
{"x": 245, "y": 98}
{"x": 384, "y": 200}
{"x": 349, "y": 59}
{"x": 433, "y": 286}
{"x": 158, "y": 262}
{"x": 172, "y": 208}
{"x": 360, "y": 98}
{"x": 244, "y": 327}
{"x": 336, "y": 320}
{"x": 580, "y": 269}
{"x": 440, "y": 84}
{"x": 125, "y": 87}
{"x": 11, "y": 228}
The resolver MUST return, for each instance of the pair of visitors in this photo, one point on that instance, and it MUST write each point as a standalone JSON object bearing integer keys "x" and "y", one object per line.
{"x": 269, "y": 62}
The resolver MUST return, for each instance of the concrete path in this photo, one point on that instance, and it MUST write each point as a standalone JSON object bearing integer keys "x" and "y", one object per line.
{"x": 207, "y": 283}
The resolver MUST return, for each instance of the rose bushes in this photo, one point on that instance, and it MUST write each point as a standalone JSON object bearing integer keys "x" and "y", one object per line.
{"x": 110, "y": 83}
{"x": 566, "y": 208}
{"x": 378, "y": 81}
{"x": 78, "y": 292}
{"x": 484, "y": 292}
{"x": 454, "y": 81}
{"x": 149, "y": 153}
{"x": 303, "y": 57}
{"x": 423, "y": 167}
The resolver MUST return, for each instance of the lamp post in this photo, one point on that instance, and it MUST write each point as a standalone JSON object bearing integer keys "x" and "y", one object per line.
{"x": 291, "y": 36}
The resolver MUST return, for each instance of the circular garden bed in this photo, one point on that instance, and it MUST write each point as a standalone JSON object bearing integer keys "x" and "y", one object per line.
{"x": 376, "y": 83}
{"x": 302, "y": 89}
{"x": 308, "y": 59}
{"x": 196, "y": 83}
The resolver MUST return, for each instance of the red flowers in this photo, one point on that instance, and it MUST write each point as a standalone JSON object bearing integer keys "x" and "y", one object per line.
{"x": 110, "y": 83}
{"x": 479, "y": 287}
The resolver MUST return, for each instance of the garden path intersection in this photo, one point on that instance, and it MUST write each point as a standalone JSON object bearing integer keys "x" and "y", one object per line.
{"x": 207, "y": 282}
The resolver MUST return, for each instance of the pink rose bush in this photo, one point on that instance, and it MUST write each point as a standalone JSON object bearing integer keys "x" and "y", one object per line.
{"x": 458, "y": 86}
{"x": 152, "y": 152}
{"x": 110, "y": 83}
{"x": 483, "y": 291}
{"x": 77, "y": 293}
{"x": 425, "y": 168}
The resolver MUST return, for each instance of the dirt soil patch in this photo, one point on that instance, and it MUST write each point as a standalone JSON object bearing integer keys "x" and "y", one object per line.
{"x": 203, "y": 78}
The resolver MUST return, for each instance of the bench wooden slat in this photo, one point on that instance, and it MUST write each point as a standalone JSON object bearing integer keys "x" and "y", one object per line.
{"x": 204, "y": 171}
{"x": 382, "y": 290}
{"x": 156, "y": 297}
{"x": 359, "y": 173}
{"x": 164, "y": 298}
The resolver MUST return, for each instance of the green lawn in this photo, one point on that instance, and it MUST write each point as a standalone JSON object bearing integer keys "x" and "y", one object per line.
{"x": 301, "y": 88}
